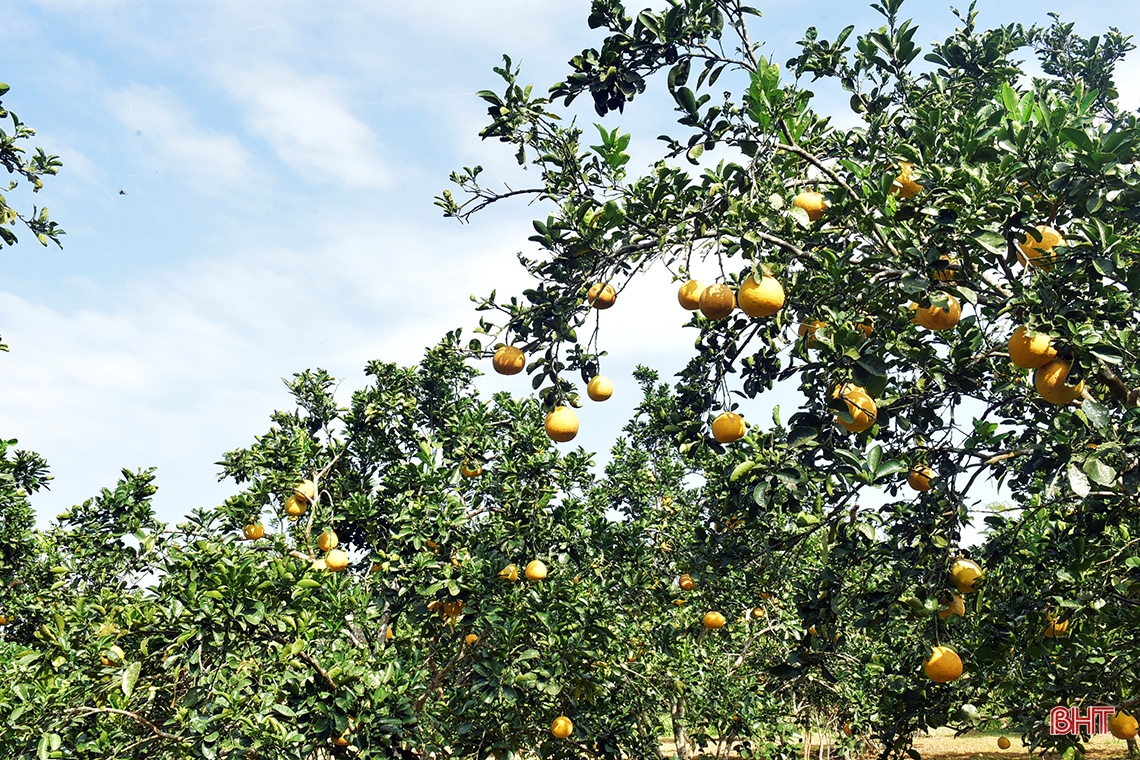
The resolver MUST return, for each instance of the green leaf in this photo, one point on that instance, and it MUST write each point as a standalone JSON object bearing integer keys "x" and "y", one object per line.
{"x": 131, "y": 677}
{"x": 991, "y": 241}
{"x": 1100, "y": 472}
{"x": 1097, "y": 414}
{"x": 1077, "y": 481}
{"x": 740, "y": 470}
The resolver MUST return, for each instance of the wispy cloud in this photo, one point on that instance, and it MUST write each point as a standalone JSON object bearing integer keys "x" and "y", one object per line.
{"x": 304, "y": 120}
{"x": 165, "y": 135}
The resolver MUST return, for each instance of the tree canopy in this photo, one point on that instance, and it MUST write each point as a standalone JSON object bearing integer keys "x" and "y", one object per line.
{"x": 950, "y": 284}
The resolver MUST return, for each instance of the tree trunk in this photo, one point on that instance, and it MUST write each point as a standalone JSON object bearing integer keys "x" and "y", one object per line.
{"x": 680, "y": 738}
{"x": 1133, "y": 749}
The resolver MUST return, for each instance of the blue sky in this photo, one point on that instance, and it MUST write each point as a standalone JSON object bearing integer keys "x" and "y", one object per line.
{"x": 279, "y": 161}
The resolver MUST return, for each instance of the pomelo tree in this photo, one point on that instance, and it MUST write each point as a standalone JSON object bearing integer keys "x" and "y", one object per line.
{"x": 987, "y": 202}
{"x": 903, "y": 274}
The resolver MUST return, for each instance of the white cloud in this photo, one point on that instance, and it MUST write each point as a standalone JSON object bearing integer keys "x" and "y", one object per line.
{"x": 170, "y": 140}
{"x": 304, "y": 121}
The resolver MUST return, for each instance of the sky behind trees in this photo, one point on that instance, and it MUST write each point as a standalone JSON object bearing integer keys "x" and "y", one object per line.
{"x": 247, "y": 193}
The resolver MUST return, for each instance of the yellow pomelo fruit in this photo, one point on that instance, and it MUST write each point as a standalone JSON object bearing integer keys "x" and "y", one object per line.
{"x": 808, "y": 329}
{"x": 470, "y": 470}
{"x": 470, "y": 639}
{"x": 1050, "y": 383}
{"x": 937, "y": 318}
{"x": 1003, "y": 743}
{"x": 509, "y": 573}
{"x": 561, "y": 727}
{"x": 328, "y": 540}
{"x": 1031, "y": 350}
{"x": 1123, "y": 726}
{"x": 1056, "y": 628}
{"x": 600, "y": 388}
{"x": 728, "y": 427}
{"x": 860, "y": 405}
{"x": 903, "y": 184}
{"x": 812, "y": 203}
{"x": 943, "y": 666}
{"x": 963, "y": 574}
{"x": 957, "y": 607}
{"x": 920, "y": 477}
{"x": 1039, "y": 253}
{"x": 686, "y": 582}
{"x": 536, "y": 570}
{"x": 294, "y": 507}
{"x": 689, "y": 295}
{"x": 717, "y": 301}
{"x": 761, "y": 299}
{"x": 562, "y": 424}
{"x": 253, "y": 531}
{"x": 508, "y": 360}
{"x": 601, "y": 295}
{"x": 336, "y": 560}
{"x": 713, "y": 620}
{"x": 305, "y": 491}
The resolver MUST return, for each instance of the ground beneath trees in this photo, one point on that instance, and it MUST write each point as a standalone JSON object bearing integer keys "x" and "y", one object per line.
{"x": 942, "y": 745}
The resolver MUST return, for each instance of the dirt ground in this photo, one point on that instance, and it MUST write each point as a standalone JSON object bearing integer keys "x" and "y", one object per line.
{"x": 942, "y": 745}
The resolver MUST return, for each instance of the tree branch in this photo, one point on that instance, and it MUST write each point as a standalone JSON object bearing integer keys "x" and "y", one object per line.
{"x": 133, "y": 716}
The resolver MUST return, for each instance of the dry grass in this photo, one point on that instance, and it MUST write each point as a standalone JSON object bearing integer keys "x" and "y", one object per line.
{"x": 941, "y": 744}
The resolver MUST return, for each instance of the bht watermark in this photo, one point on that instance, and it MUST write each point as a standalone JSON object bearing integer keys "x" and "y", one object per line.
{"x": 1069, "y": 720}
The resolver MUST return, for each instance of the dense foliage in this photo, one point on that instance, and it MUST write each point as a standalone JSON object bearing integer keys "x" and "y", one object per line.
{"x": 124, "y": 637}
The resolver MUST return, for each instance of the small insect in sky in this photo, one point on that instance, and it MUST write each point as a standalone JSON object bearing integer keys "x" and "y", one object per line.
{"x": 122, "y": 192}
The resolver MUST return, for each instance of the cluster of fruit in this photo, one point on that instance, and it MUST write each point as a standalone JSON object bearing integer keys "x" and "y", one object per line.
{"x": 304, "y": 493}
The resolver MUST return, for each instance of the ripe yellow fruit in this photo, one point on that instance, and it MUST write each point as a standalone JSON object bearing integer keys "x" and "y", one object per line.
{"x": 813, "y": 631}
{"x": 943, "y": 666}
{"x": 389, "y": 635}
{"x": 903, "y": 184}
{"x": 600, "y": 388}
{"x": 509, "y": 573}
{"x": 562, "y": 424}
{"x": 1036, "y": 253}
{"x": 341, "y": 741}
{"x": 689, "y": 295}
{"x": 5, "y": 620}
{"x": 847, "y": 730}
{"x": 866, "y": 325}
{"x": 728, "y": 427}
{"x": 957, "y": 607}
{"x": 535, "y": 570}
{"x": 937, "y": 318}
{"x": 686, "y": 582}
{"x": 713, "y": 620}
{"x": 860, "y": 406}
{"x": 319, "y": 565}
{"x": 305, "y": 491}
{"x": 470, "y": 639}
{"x": 963, "y": 574}
{"x": 1056, "y": 628}
{"x": 759, "y": 612}
{"x": 336, "y": 560}
{"x": 508, "y": 360}
{"x": 811, "y": 202}
{"x": 561, "y": 727}
{"x": 1050, "y": 383}
{"x": 1003, "y": 742}
{"x": 114, "y": 654}
{"x": 253, "y": 531}
{"x": 453, "y": 609}
{"x": 601, "y": 295}
{"x": 1031, "y": 350}
{"x": 328, "y": 540}
{"x": 717, "y": 301}
{"x": 761, "y": 299}
{"x": 1123, "y": 726}
{"x": 920, "y": 477}
{"x": 808, "y": 329}
{"x": 470, "y": 470}
{"x": 294, "y": 507}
